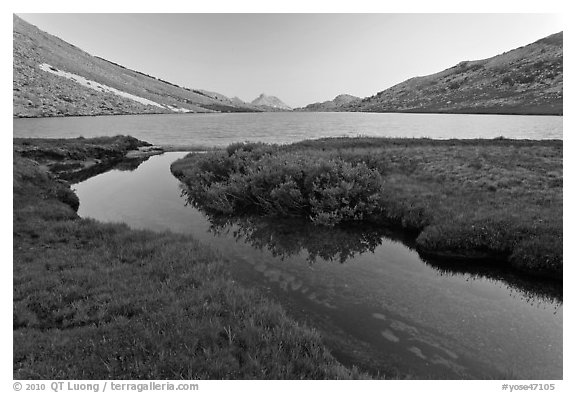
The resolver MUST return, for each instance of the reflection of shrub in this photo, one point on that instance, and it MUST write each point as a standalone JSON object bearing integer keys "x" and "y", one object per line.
{"x": 262, "y": 179}
{"x": 285, "y": 238}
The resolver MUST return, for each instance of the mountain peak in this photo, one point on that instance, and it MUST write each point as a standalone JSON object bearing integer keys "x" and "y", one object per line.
{"x": 272, "y": 102}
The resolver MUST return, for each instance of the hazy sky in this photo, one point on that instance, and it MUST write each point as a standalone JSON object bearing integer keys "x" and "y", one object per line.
{"x": 300, "y": 58}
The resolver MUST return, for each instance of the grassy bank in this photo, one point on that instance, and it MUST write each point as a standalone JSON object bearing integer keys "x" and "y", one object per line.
{"x": 81, "y": 158}
{"x": 101, "y": 301}
{"x": 498, "y": 200}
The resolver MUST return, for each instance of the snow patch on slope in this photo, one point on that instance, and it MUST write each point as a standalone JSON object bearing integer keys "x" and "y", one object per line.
{"x": 107, "y": 89}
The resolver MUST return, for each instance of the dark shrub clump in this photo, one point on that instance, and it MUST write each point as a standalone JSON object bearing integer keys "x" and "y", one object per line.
{"x": 256, "y": 178}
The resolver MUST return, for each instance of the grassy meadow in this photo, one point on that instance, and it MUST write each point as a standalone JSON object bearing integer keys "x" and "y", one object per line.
{"x": 494, "y": 200}
{"x": 102, "y": 301}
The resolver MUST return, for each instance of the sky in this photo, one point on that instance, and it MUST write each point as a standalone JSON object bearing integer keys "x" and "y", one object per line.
{"x": 300, "y": 58}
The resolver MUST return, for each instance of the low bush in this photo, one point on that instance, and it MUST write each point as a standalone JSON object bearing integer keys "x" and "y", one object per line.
{"x": 252, "y": 178}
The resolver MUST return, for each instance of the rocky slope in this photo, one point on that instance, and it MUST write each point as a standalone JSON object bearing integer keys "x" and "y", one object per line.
{"x": 270, "y": 103}
{"x": 526, "y": 80}
{"x": 54, "y": 78}
{"x": 331, "y": 106}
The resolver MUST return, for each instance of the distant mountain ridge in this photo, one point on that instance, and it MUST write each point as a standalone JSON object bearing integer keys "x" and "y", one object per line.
{"x": 526, "y": 80}
{"x": 331, "y": 106}
{"x": 54, "y": 78}
{"x": 270, "y": 102}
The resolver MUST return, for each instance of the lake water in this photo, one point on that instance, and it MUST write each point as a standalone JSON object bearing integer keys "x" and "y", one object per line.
{"x": 376, "y": 303}
{"x": 284, "y": 127}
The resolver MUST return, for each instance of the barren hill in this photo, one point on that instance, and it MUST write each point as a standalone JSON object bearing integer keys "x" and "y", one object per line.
{"x": 526, "y": 80}
{"x": 331, "y": 106}
{"x": 54, "y": 78}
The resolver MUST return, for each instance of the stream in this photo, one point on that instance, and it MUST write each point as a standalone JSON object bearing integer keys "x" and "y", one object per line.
{"x": 374, "y": 300}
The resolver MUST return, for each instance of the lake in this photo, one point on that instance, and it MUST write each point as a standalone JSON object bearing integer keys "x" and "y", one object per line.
{"x": 375, "y": 301}
{"x": 284, "y": 127}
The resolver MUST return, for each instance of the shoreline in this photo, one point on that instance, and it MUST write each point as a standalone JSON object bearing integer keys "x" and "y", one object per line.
{"x": 116, "y": 303}
{"x": 295, "y": 111}
{"x": 75, "y": 170}
{"x": 42, "y": 221}
{"x": 496, "y": 202}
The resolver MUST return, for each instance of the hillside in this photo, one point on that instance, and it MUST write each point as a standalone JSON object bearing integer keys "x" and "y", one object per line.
{"x": 270, "y": 103}
{"x": 526, "y": 80}
{"x": 331, "y": 106}
{"x": 54, "y": 78}
{"x": 239, "y": 101}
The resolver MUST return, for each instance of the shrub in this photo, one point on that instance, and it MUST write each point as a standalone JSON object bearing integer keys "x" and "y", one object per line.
{"x": 260, "y": 178}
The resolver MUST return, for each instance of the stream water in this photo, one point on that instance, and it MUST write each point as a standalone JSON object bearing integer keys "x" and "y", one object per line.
{"x": 375, "y": 301}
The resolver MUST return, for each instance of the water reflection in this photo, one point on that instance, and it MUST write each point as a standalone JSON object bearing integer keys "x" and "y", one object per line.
{"x": 383, "y": 308}
{"x": 288, "y": 237}
{"x": 531, "y": 289}
{"x": 124, "y": 164}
